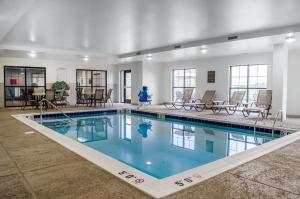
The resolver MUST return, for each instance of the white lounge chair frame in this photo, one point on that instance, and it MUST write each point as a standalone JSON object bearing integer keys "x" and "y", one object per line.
{"x": 179, "y": 102}
{"x": 263, "y": 104}
{"x": 234, "y": 102}
{"x": 201, "y": 104}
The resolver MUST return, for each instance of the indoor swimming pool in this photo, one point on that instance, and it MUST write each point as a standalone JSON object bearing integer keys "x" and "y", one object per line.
{"x": 158, "y": 147}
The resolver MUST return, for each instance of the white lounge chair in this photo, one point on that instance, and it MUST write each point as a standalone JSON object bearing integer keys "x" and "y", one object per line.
{"x": 262, "y": 105}
{"x": 179, "y": 102}
{"x": 201, "y": 104}
{"x": 234, "y": 102}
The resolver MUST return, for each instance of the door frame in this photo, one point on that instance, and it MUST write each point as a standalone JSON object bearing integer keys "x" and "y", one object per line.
{"x": 25, "y": 85}
{"x": 128, "y": 101}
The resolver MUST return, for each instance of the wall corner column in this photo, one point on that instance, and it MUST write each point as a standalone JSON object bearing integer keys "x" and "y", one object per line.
{"x": 279, "y": 79}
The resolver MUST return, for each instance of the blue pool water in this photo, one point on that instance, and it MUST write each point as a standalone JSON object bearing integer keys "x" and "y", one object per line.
{"x": 157, "y": 147}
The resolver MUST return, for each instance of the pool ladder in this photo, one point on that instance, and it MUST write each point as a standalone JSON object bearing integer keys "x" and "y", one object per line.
{"x": 274, "y": 123}
{"x": 54, "y": 106}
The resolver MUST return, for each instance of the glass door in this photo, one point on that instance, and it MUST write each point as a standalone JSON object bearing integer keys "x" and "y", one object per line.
{"x": 127, "y": 86}
{"x": 20, "y": 82}
{"x": 90, "y": 80}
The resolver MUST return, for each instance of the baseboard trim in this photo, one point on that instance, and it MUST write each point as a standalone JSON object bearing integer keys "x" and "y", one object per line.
{"x": 293, "y": 116}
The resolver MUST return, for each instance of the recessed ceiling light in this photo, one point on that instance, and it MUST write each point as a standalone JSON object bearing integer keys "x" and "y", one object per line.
{"x": 149, "y": 57}
{"x": 290, "y": 38}
{"x": 86, "y": 58}
{"x": 32, "y": 54}
{"x": 203, "y": 50}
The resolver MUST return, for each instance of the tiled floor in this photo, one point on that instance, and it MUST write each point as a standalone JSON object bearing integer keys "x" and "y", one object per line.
{"x": 32, "y": 166}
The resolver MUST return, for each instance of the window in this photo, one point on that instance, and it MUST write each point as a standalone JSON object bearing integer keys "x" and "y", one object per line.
{"x": 182, "y": 79}
{"x": 91, "y": 79}
{"x": 183, "y": 136}
{"x": 249, "y": 78}
{"x": 20, "y": 82}
{"x": 238, "y": 143}
{"x": 125, "y": 133}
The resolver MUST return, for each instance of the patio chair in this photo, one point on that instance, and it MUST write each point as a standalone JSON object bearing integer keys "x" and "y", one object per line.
{"x": 38, "y": 94}
{"x": 88, "y": 96}
{"x": 179, "y": 102}
{"x": 262, "y": 105}
{"x": 60, "y": 99}
{"x": 79, "y": 96}
{"x": 50, "y": 96}
{"x": 201, "y": 104}
{"x": 27, "y": 99}
{"x": 144, "y": 97}
{"x": 39, "y": 91}
{"x": 108, "y": 97}
{"x": 99, "y": 97}
{"x": 234, "y": 102}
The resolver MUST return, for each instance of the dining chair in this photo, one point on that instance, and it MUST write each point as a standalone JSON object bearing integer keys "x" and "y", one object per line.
{"x": 99, "y": 97}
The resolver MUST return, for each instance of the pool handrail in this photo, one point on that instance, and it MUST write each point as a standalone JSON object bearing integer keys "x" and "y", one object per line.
{"x": 54, "y": 106}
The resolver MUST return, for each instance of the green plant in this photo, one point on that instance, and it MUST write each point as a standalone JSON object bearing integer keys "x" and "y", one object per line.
{"x": 57, "y": 86}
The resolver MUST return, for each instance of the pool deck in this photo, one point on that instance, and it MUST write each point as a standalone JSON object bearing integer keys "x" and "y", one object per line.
{"x": 33, "y": 166}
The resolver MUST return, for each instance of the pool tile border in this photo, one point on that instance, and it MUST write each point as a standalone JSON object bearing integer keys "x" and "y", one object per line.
{"x": 166, "y": 116}
{"x": 211, "y": 122}
{"x": 223, "y": 124}
{"x": 81, "y": 113}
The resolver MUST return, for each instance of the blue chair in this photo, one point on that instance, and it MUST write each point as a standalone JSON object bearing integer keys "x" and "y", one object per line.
{"x": 144, "y": 97}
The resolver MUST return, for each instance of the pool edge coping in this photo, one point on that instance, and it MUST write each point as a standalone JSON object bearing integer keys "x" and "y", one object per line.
{"x": 159, "y": 187}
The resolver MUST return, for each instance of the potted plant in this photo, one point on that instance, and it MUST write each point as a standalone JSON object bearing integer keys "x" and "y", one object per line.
{"x": 58, "y": 86}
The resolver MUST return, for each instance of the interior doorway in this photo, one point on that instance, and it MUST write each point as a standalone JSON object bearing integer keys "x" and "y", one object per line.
{"x": 125, "y": 86}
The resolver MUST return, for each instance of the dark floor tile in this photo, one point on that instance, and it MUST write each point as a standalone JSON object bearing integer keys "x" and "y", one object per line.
{"x": 12, "y": 187}
{"x": 79, "y": 180}
{"x": 7, "y": 167}
{"x": 277, "y": 169}
{"x": 41, "y": 156}
{"x": 23, "y": 141}
{"x": 228, "y": 186}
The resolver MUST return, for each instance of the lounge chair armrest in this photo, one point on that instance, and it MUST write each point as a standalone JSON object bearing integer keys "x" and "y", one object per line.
{"x": 247, "y": 105}
{"x": 219, "y": 102}
{"x": 196, "y": 101}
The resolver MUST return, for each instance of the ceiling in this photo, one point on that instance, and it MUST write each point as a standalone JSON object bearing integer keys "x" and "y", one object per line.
{"x": 103, "y": 29}
{"x": 246, "y": 46}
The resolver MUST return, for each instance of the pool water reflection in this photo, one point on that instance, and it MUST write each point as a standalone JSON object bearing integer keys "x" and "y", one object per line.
{"x": 157, "y": 147}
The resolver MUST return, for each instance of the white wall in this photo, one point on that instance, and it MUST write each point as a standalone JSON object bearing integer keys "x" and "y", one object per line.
{"x": 136, "y": 80}
{"x": 220, "y": 65}
{"x": 53, "y": 66}
{"x": 293, "y": 96}
{"x": 158, "y": 76}
{"x": 144, "y": 73}
{"x": 279, "y": 77}
{"x": 153, "y": 78}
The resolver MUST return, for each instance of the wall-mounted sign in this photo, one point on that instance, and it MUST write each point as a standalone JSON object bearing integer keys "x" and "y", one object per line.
{"x": 211, "y": 76}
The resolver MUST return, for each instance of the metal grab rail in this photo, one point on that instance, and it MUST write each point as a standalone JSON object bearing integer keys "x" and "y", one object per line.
{"x": 47, "y": 101}
{"x": 274, "y": 123}
{"x": 255, "y": 124}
